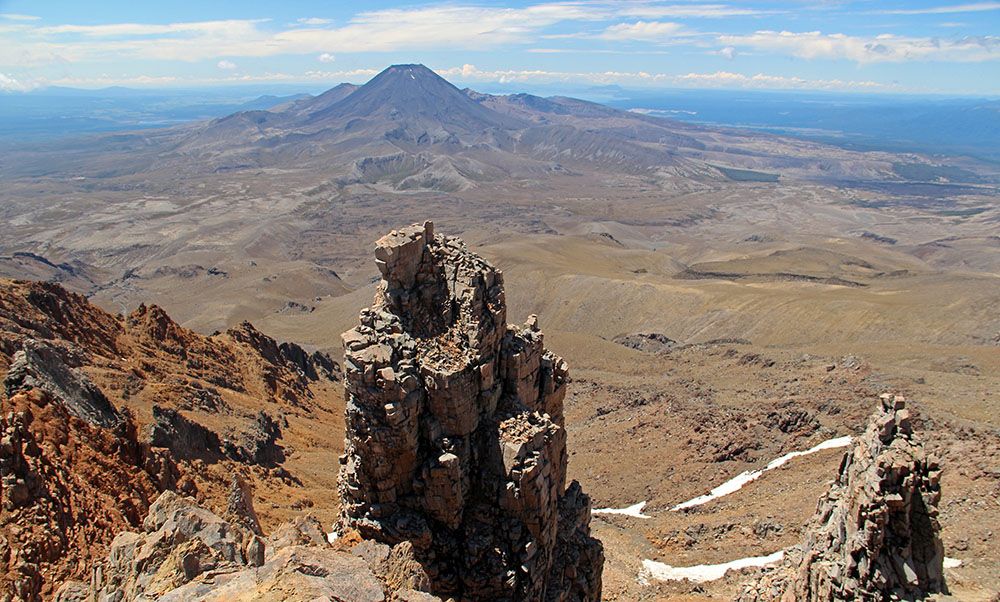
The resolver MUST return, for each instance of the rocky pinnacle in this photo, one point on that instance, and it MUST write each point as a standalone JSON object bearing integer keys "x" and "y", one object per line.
{"x": 875, "y": 535}
{"x": 455, "y": 439}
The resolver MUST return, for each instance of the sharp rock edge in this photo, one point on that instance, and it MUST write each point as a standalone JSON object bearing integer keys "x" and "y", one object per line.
{"x": 875, "y": 535}
{"x": 455, "y": 439}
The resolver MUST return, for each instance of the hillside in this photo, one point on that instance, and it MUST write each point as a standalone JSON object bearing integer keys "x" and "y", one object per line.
{"x": 724, "y": 298}
{"x": 409, "y": 129}
{"x": 124, "y": 407}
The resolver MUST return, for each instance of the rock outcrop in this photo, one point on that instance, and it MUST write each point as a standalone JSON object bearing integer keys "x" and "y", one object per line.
{"x": 99, "y": 413}
{"x": 185, "y": 553}
{"x": 455, "y": 440}
{"x": 39, "y": 365}
{"x": 875, "y": 535}
{"x": 67, "y": 486}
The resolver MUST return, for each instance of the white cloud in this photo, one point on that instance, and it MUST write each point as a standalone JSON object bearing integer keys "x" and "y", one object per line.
{"x": 105, "y": 80}
{"x": 219, "y": 29}
{"x": 226, "y": 65}
{"x": 646, "y": 31}
{"x": 881, "y": 48}
{"x": 728, "y": 52}
{"x": 437, "y": 26}
{"x": 718, "y": 79}
{"x": 10, "y": 84}
{"x": 726, "y": 79}
{"x": 944, "y": 10}
{"x": 442, "y": 26}
{"x": 314, "y": 21}
{"x": 18, "y": 17}
{"x": 326, "y": 57}
{"x": 471, "y": 73}
{"x": 101, "y": 81}
{"x": 580, "y": 51}
{"x": 651, "y": 10}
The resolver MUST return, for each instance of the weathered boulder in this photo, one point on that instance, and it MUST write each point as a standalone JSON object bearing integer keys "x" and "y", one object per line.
{"x": 650, "y": 342}
{"x": 303, "y": 530}
{"x": 296, "y": 573}
{"x": 180, "y": 541}
{"x": 239, "y": 506}
{"x": 186, "y": 553}
{"x": 875, "y": 535}
{"x": 455, "y": 440}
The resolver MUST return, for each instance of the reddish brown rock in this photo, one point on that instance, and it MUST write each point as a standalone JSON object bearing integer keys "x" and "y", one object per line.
{"x": 97, "y": 408}
{"x": 67, "y": 487}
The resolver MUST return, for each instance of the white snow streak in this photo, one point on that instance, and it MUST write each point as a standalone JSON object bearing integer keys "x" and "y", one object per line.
{"x": 702, "y": 572}
{"x": 634, "y": 510}
{"x": 332, "y": 536}
{"x": 736, "y": 483}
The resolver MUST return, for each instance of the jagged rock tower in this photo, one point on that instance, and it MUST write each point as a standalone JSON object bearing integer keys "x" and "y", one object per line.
{"x": 876, "y": 534}
{"x": 455, "y": 438}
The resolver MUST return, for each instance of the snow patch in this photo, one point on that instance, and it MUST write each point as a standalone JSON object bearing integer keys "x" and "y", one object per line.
{"x": 634, "y": 510}
{"x": 952, "y": 563}
{"x": 736, "y": 483}
{"x": 332, "y": 536}
{"x": 702, "y": 572}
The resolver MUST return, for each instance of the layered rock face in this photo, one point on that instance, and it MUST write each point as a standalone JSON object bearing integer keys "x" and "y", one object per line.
{"x": 455, "y": 439}
{"x": 876, "y": 534}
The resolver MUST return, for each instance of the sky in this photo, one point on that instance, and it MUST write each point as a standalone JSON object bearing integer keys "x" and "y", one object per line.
{"x": 915, "y": 47}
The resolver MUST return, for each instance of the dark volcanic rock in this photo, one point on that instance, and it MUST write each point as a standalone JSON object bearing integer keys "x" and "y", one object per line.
{"x": 184, "y": 437}
{"x": 455, "y": 439}
{"x": 41, "y": 365}
{"x": 651, "y": 342}
{"x": 255, "y": 444}
{"x": 876, "y": 534}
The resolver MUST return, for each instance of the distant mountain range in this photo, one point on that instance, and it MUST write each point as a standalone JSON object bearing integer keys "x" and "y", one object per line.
{"x": 409, "y": 129}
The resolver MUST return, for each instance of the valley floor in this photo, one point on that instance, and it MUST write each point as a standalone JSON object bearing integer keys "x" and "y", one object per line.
{"x": 790, "y": 307}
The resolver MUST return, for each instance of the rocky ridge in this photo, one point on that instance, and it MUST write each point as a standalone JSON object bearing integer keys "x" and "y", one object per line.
{"x": 454, "y": 432}
{"x": 102, "y": 413}
{"x": 67, "y": 486}
{"x": 875, "y": 535}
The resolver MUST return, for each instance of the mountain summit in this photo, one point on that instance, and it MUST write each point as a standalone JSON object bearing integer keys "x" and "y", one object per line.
{"x": 416, "y": 98}
{"x": 409, "y": 129}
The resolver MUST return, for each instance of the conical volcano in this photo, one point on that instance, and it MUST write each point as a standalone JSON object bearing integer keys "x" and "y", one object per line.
{"x": 416, "y": 98}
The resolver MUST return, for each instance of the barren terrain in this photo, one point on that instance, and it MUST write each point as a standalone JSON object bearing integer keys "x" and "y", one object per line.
{"x": 788, "y": 307}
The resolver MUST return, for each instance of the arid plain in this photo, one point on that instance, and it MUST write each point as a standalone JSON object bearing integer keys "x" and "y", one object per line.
{"x": 782, "y": 308}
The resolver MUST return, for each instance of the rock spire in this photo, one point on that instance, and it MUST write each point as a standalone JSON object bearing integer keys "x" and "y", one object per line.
{"x": 875, "y": 535}
{"x": 455, "y": 439}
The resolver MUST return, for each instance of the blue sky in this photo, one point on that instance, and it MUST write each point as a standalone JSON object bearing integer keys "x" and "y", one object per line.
{"x": 897, "y": 47}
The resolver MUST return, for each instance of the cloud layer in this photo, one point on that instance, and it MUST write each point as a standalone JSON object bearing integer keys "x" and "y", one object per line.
{"x": 880, "y": 48}
{"x": 745, "y": 42}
